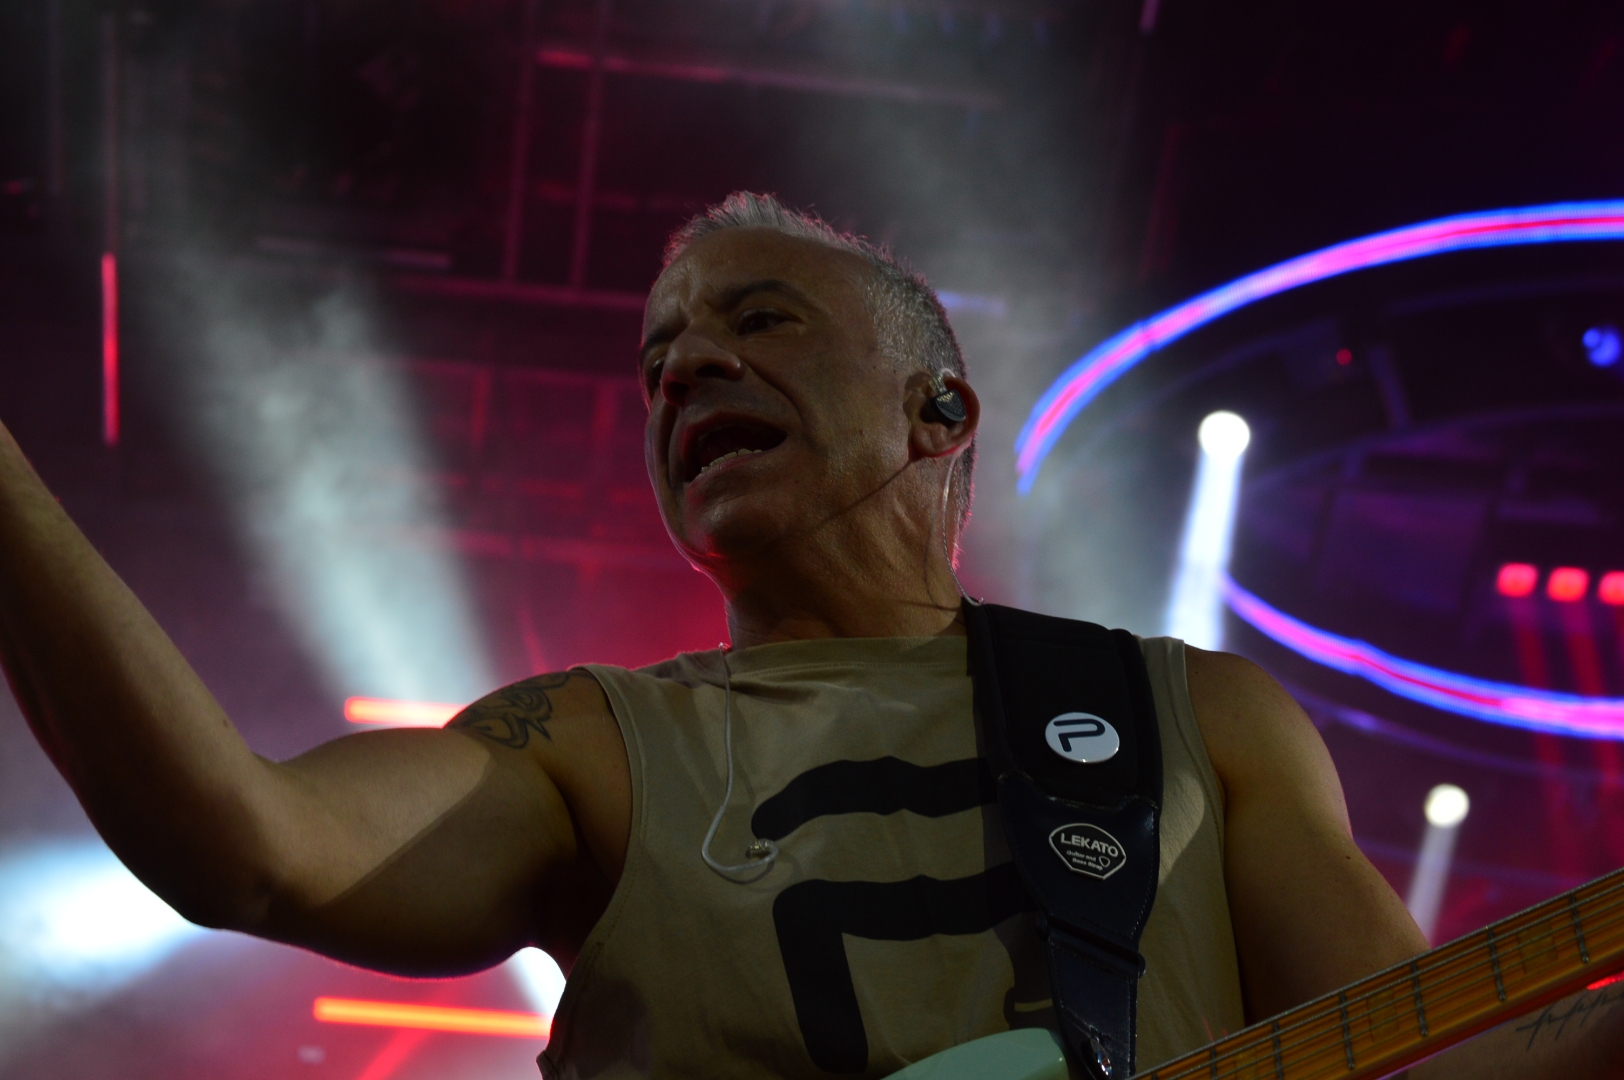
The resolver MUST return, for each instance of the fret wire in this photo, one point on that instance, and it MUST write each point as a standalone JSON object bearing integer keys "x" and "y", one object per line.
{"x": 1389, "y": 987}
{"x": 1234, "y": 1052}
{"x": 1525, "y": 921}
{"x": 1347, "y": 1035}
{"x": 1420, "y": 1010}
{"x": 1279, "y": 1069}
{"x": 1494, "y": 961}
{"x": 1578, "y": 931}
{"x": 1252, "y": 1043}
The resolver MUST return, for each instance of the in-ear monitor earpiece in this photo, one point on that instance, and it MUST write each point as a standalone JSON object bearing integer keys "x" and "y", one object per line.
{"x": 945, "y": 402}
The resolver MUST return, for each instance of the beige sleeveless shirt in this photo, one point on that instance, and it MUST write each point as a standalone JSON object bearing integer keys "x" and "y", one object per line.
{"x": 880, "y": 935}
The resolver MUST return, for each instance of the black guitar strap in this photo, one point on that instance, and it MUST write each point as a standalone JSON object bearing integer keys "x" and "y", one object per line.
{"x": 1070, "y": 731}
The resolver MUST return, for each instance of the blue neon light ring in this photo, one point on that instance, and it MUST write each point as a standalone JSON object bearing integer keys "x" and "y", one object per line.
{"x": 1545, "y": 711}
{"x": 1111, "y": 359}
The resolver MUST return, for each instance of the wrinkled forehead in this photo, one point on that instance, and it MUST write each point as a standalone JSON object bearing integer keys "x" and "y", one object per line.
{"x": 715, "y": 267}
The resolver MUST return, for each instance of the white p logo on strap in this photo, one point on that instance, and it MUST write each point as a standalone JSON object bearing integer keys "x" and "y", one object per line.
{"x": 1082, "y": 737}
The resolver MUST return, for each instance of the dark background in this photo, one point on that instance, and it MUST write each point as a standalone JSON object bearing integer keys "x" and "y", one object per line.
{"x": 381, "y": 279}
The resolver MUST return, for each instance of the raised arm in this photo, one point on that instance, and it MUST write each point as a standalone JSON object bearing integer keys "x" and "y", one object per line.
{"x": 410, "y": 851}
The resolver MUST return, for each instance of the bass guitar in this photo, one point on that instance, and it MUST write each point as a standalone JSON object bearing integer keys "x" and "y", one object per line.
{"x": 1381, "y": 1023}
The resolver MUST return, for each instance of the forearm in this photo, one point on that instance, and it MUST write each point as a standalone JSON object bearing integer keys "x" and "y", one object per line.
{"x": 1578, "y": 1038}
{"x": 154, "y": 760}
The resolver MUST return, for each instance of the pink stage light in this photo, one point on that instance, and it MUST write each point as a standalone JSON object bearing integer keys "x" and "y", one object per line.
{"x": 1567, "y": 584}
{"x": 400, "y": 1014}
{"x": 1516, "y": 579}
{"x": 1501, "y": 703}
{"x": 429, "y": 714}
{"x": 1108, "y": 361}
{"x": 394, "y": 1053}
{"x": 1610, "y": 589}
{"x": 109, "y": 285}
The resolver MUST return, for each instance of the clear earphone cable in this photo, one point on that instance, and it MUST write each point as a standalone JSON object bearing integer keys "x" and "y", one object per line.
{"x": 761, "y": 853}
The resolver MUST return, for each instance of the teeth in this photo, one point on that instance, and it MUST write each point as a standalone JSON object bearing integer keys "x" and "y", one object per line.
{"x": 724, "y": 457}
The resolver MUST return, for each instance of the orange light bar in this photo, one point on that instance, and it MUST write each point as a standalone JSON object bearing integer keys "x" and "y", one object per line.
{"x": 400, "y": 1014}
{"x": 371, "y": 710}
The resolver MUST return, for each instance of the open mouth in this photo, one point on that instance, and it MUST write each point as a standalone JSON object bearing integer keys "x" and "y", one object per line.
{"x": 727, "y": 442}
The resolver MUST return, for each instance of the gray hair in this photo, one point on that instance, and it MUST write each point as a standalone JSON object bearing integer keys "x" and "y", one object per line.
{"x": 908, "y": 318}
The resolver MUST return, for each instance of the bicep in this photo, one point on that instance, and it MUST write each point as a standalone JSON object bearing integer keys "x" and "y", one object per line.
{"x": 420, "y": 852}
{"x": 1310, "y": 912}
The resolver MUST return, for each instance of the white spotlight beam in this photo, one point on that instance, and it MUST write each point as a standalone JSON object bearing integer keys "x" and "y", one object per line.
{"x": 1446, "y": 807}
{"x": 319, "y": 446}
{"x": 72, "y": 917}
{"x": 1195, "y": 608}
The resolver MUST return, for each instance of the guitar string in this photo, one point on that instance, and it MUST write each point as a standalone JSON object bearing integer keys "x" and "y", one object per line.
{"x": 1328, "y": 1061}
{"x": 1462, "y": 960}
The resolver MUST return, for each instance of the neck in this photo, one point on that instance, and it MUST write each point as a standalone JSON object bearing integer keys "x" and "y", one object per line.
{"x": 812, "y": 594}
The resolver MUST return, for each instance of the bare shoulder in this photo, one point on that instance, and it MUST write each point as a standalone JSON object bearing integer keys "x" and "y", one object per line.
{"x": 1255, "y": 732}
{"x": 563, "y": 722}
{"x": 538, "y": 708}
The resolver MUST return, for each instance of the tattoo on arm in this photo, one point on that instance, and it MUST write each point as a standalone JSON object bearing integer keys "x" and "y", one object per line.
{"x": 511, "y": 714}
{"x": 1572, "y": 1015}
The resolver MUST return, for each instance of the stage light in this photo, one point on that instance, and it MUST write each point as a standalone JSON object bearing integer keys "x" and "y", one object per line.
{"x": 1516, "y": 579}
{"x": 539, "y": 977}
{"x": 1502, "y": 703}
{"x": 1602, "y": 345}
{"x": 385, "y": 711}
{"x": 309, "y": 416}
{"x": 1084, "y": 380}
{"x": 1610, "y": 589}
{"x": 1224, "y": 435}
{"x": 1344, "y": 357}
{"x": 110, "y": 371}
{"x": 1195, "y": 605}
{"x": 72, "y": 915}
{"x": 1446, "y": 808}
{"x": 401, "y": 1014}
{"x": 1567, "y": 584}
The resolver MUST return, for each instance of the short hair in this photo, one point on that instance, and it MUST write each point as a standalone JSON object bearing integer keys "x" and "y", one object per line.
{"x": 908, "y": 317}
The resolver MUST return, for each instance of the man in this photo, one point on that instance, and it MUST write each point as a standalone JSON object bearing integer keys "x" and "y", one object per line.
{"x": 675, "y": 835}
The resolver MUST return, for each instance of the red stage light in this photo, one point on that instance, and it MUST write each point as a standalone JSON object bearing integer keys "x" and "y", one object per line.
{"x": 1567, "y": 584}
{"x": 110, "y": 399}
{"x": 369, "y": 710}
{"x": 1344, "y": 357}
{"x": 401, "y": 1014}
{"x": 1516, "y": 579}
{"x": 1610, "y": 589}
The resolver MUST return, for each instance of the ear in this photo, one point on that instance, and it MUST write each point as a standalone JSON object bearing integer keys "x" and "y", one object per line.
{"x": 930, "y": 436}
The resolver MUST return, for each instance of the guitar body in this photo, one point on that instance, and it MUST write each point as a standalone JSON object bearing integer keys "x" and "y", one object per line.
{"x": 1023, "y": 1054}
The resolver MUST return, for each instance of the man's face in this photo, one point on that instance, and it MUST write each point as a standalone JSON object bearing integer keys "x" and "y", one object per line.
{"x": 772, "y": 411}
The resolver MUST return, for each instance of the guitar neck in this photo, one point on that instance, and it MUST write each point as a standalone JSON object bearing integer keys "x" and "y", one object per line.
{"x": 1415, "y": 1009}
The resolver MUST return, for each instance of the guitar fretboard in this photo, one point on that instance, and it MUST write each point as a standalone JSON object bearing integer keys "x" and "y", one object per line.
{"x": 1411, "y": 1011}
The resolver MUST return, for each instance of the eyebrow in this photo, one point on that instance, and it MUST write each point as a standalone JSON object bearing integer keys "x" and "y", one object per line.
{"x": 729, "y": 299}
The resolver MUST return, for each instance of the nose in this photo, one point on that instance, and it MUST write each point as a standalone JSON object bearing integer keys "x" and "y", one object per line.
{"x": 692, "y": 358}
